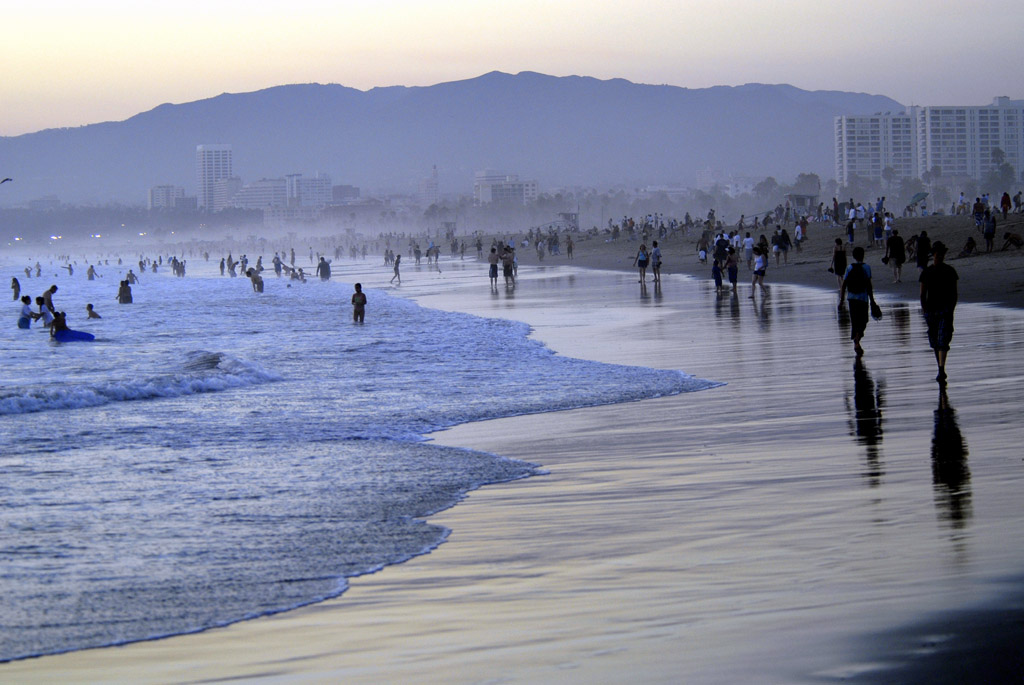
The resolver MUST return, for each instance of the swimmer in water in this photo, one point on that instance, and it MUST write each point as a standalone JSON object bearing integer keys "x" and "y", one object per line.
{"x": 91, "y": 312}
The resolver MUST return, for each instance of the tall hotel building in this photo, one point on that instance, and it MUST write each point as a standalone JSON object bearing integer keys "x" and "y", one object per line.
{"x": 213, "y": 164}
{"x": 957, "y": 140}
{"x": 866, "y": 145}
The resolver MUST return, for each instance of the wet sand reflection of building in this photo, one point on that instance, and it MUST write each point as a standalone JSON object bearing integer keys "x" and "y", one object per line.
{"x": 866, "y": 421}
{"x": 951, "y": 477}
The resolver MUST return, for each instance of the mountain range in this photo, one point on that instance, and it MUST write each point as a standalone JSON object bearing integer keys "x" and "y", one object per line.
{"x": 560, "y": 131}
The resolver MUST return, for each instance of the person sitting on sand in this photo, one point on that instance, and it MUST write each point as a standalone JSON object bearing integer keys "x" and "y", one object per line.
{"x": 970, "y": 248}
{"x": 91, "y": 313}
{"x": 1011, "y": 240}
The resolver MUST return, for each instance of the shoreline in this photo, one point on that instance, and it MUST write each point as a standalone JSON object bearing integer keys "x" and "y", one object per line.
{"x": 628, "y": 557}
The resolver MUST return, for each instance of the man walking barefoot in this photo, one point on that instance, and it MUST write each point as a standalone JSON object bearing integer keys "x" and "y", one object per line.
{"x": 938, "y": 300}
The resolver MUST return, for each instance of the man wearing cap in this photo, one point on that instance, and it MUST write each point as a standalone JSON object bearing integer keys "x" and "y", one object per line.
{"x": 938, "y": 300}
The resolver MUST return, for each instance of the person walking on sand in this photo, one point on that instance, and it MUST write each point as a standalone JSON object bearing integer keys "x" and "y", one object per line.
{"x": 924, "y": 249}
{"x": 398, "y": 260}
{"x": 838, "y": 266}
{"x": 358, "y": 304}
{"x": 760, "y": 266}
{"x": 748, "y": 251}
{"x": 989, "y": 229}
{"x": 938, "y": 300}
{"x": 732, "y": 267}
{"x": 896, "y": 253}
{"x": 860, "y": 296}
{"x": 640, "y": 261}
{"x": 656, "y": 262}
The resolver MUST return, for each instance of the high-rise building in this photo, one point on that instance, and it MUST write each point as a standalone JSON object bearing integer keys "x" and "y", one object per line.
{"x": 429, "y": 194}
{"x": 957, "y": 141}
{"x": 165, "y": 197}
{"x": 865, "y": 146}
{"x": 490, "y": 187}
{"x": 213, "y": 163}
{"x": 960, "y": 141}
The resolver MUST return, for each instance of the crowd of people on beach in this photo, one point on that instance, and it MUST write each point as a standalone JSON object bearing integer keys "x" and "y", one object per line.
{"x": 779, "y": 231}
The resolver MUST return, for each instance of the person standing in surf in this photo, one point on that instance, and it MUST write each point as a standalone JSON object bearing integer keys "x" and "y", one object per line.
{"x": 27, "y": 315}
{"x": 358, "y": 304}
{"x": 398, "y": 259}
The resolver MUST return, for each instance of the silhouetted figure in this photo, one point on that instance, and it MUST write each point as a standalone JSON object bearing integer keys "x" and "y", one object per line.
{"x": 951, "y": 477}
{"x": 866, "y": 424}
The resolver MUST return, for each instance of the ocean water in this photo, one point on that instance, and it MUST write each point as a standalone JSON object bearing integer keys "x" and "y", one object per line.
{"x": 217, "y": 454}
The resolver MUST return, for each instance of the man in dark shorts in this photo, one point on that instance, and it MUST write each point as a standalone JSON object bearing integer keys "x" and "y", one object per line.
{"x": 492, "y": 269}
{"x": 938, "y": 300}
{"x": 860, "y": 295}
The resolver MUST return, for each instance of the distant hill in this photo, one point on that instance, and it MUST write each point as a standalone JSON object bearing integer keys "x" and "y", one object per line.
{"x": 558, "y": 130}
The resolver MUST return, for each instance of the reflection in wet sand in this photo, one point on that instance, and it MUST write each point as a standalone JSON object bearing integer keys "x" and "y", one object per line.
{"x": 866, "y": 421}
{"x": 950, "y": 474}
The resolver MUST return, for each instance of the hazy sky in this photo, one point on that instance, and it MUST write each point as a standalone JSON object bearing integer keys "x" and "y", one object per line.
{"x": 81, "y": 62}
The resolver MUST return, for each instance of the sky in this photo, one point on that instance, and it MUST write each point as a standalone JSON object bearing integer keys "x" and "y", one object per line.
{"x": 82, "y": 62}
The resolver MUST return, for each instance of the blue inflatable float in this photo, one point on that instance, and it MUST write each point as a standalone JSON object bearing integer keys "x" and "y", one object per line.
{"x": 68, "y": 335}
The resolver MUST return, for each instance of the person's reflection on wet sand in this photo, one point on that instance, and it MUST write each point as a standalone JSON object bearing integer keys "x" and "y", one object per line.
{"x": 899, "y": 314}
{"x": 951, "y": 478}
{"x": 866, "y": 423}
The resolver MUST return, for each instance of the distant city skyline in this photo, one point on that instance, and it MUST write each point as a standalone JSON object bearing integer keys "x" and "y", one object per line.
{"x": 73, "y": 64}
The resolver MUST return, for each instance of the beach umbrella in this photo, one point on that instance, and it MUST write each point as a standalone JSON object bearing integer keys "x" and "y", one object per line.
{"x": 917, "y": 198}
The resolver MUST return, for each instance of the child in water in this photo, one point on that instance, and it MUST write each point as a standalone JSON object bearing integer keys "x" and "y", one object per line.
{"x": 358, "y": 304}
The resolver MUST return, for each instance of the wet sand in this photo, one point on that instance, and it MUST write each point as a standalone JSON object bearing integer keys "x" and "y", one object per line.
{"x": 792, "y": 525}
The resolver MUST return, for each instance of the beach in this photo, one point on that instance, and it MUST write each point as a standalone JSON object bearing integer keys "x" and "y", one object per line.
{"x": 770, "y": 529}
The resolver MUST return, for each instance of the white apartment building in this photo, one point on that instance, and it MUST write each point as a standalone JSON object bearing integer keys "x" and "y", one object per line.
{"x": 308, "y": 191}
{"x": 491, "y": 186}
{"x": 866, "y": 145}
{"x": 959, "y": 141}
{"x": 261, "y": 194}
{"x": 213, "y": 163}
{"x": 224, "y": 191}
{"x": 164, "y": 197}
